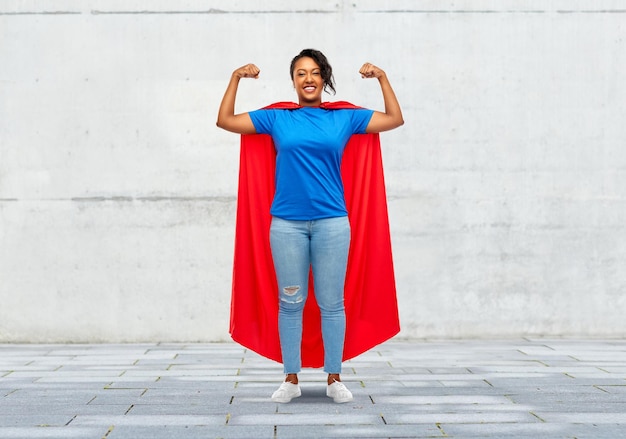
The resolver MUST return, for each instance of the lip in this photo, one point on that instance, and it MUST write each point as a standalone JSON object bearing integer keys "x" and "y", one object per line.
{"x": 309, "y": 88}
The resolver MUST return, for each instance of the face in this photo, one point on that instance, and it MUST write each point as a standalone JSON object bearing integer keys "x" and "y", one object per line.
{"x": 308, "y": 82}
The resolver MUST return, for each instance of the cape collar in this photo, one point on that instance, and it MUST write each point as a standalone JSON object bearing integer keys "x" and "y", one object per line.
{"x": 339, "y": 105}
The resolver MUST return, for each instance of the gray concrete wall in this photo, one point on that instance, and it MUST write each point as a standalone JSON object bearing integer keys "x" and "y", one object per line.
{"x": 507, "y": 184}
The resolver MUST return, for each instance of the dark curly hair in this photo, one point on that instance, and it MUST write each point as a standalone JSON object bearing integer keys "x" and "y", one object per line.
{"x": 325, "y": 68}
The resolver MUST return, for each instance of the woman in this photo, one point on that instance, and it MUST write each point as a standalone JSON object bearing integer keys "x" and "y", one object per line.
{"x": 310, "y": 228}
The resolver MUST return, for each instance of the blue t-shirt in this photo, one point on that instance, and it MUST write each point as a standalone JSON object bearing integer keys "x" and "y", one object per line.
{"x": 309, "y": 145}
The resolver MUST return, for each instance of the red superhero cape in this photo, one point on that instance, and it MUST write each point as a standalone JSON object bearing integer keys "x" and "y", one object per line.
{"x": 370, "y": 292}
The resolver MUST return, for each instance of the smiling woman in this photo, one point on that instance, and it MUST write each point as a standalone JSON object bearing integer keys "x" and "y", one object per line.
{"x": 310, "y": 229}
{"x": 311, "y": 74}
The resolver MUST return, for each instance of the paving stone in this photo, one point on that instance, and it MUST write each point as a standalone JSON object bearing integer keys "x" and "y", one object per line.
{"x": 508, "y": 430}
{"x": 458, "y": 384}
{"x": 149, "y": 420}
{"x": 414, "y": 431}
{"x": 27, "y": 419}
{"x": 192, "y": 408}
{"x": 587, "y": 417}
{"x": 68, "y": 410}
{"x": 51, "y": 432}
{"x": 590, "y": 396}
{"x": 191, "y": 432}
{"x": 443, "y": 399}
{"x": 487, "y": 417}
{"x": 312, "y": 419}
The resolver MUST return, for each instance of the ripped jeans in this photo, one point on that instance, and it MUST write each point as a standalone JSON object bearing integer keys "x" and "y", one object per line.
{"x": 322, "y": 245}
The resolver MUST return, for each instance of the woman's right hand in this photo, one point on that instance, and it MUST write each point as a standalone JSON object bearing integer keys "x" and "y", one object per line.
{"x": 247, "y": 71}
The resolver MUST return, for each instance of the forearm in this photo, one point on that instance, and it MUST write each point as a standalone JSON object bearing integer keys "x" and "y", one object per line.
{"x": 392, "y": 106}
{"x": 227, "y": 107}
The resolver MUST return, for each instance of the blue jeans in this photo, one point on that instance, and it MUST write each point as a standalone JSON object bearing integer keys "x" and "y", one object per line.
{"x": 321, "y": 245}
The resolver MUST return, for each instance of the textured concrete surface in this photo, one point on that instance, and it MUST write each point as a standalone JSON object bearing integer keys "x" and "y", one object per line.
{"x": 523, "y": 388}
{"x": 507, "y": 184}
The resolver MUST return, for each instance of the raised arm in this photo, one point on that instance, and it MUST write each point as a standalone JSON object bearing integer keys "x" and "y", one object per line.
{"x": 392, "y": 117}
{"x": 226, "y": 117}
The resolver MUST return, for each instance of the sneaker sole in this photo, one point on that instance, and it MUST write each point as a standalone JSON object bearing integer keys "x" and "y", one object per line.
{"x": 341, "y": 401}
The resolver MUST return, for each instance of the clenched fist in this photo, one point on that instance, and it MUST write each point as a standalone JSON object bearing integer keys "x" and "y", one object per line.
{"x": 371, "y": 71}
{"x": 247, "y": 71}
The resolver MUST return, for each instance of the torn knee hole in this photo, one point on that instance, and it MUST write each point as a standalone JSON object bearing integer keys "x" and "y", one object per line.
{"x": 291, "y": 291}
{"x": 290, "y": 295}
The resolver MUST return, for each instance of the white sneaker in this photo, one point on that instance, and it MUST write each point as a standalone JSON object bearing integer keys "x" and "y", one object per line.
{"x": 286, "y": 392}
{"x": 339, "y": 392}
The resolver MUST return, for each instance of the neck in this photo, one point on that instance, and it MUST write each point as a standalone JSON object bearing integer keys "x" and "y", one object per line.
{"x": 310, "y": 104}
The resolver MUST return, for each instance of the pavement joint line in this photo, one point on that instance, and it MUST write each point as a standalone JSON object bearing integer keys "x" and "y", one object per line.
{"x": 109, "y": 431}
{"x": 601, "y": 389}
{"x": 537, "y": 416}
{"x": 440, "y": 428}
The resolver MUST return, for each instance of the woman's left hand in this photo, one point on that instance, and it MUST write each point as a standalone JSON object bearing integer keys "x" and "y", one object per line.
{"x": 371, "y": 71}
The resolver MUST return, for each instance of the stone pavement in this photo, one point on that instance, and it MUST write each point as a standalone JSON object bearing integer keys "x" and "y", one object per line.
{"x": 524, "y": 388}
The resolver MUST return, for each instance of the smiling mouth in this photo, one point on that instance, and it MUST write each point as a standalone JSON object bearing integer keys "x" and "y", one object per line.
{"x": 309, "y": 89}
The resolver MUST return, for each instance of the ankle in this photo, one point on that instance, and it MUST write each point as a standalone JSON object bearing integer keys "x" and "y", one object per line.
{"x": 333, "y": 377}
{"x": 292, "y": 378}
